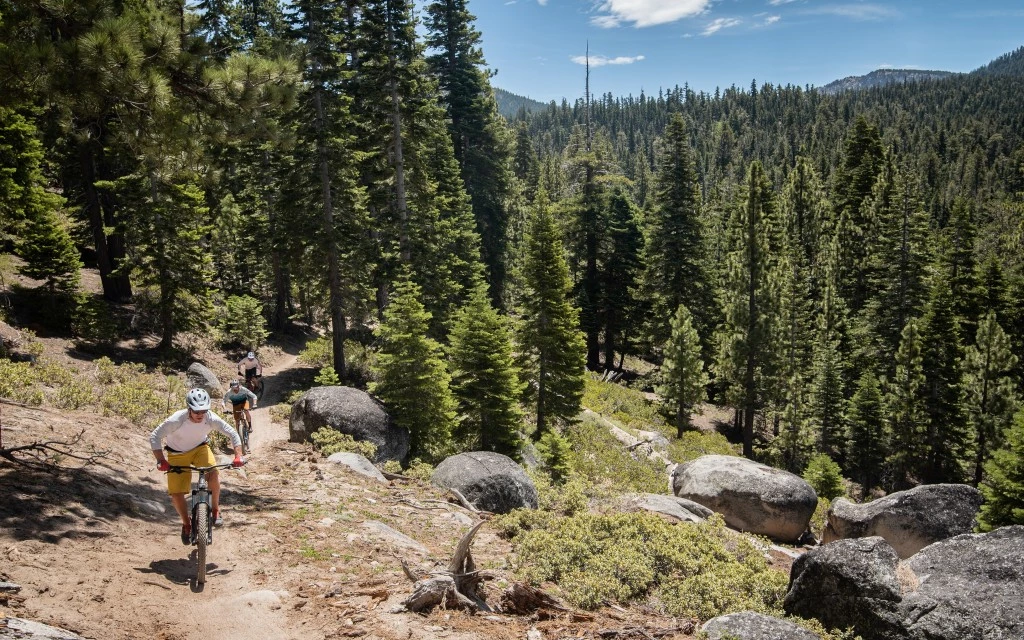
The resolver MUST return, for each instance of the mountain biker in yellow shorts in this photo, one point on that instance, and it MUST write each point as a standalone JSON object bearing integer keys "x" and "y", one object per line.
{"x": 185, "y": 435}
{"x": 241, "y": 399}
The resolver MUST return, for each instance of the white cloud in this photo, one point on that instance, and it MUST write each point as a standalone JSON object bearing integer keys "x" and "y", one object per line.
{"x": 776, "y": 3}
{"x": 772, "y": 20}
{"x": 855, "y": 11}
{"x": 600, "y": 61}
{"x": 542, "y": 2}
{"x": 647, "y": 13}
{"x": 718, "y": 24}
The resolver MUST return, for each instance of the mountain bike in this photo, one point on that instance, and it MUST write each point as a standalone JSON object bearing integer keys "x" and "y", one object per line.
{"x": 202, "y": 514}
{"x": 244, "y": 430}
{"x": 255, "y": 384}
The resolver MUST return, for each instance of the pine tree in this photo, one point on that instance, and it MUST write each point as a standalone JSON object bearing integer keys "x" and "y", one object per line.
{"x": 620, "y": 272}
{"x": 866, "y": 447}
{"x": 828, "y": 401}
{"x": 674, "y": 252}
{"x": 1003, "y": 487}
{"x": 50, "y": 254}
{"x": 960, "y": 266}
{"x": 805, "y": 214}
{"x": 411, "y": 378}
{"x": 682, "y": 374}
{"x": 898, "y": 270}
{"x": 863, "y": 160}
{"x": 744, "y": 357}
{"x": 549, "y": 342}
{"x": 484, "y": 379}
{"x": 905, "y": 411}
{"x": 323, "y": 177}
{"x": 948, "y": 437}
{"x": 990, "y": 393}
{"x": 482, "y": 145}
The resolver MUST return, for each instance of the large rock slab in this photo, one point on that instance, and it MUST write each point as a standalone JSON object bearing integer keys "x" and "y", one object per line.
{"x": 672, "y": 507}
{"x": 964, "y": 588}
{"x": 349, "y": 411}
{"x": 200, "y": 376}
{"x": 908, "y": 520}
{"x": 357, "y": 464}
{"x": 19, "y": 629}
{"x": 490, "y": 481}
{"x": 750, "y": 625}
{"x": 751, "y": 496}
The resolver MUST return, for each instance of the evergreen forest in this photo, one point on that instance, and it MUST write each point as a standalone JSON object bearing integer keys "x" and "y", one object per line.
{"x": 843, "y": 272}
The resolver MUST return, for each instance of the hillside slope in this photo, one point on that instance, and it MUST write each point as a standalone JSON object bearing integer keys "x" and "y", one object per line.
{"x": 883, "y": 77}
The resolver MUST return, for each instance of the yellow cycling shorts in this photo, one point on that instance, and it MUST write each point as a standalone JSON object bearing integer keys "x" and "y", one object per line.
{"x": 201, "y": 456}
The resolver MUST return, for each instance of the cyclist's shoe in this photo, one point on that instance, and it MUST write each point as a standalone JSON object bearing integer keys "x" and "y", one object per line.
{"x": 218, "y": 519}
{"x": 186, "y": 535}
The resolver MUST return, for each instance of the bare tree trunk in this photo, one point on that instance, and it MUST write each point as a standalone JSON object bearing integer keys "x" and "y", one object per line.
{"x": 109, "y": 248}
{"x": 338, "y": 326}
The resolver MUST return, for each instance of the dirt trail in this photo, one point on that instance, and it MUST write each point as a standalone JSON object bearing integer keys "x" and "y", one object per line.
{"x": 115, "y": 568}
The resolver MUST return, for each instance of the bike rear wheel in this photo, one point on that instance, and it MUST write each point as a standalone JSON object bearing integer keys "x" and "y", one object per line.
{"x": 201, "y": 530}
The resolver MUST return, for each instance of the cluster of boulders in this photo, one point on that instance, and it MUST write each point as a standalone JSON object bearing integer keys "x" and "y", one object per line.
{"x": 903, "y": 567}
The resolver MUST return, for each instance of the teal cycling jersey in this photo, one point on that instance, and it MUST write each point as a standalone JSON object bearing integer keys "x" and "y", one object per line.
{"x": 239, "y": 398}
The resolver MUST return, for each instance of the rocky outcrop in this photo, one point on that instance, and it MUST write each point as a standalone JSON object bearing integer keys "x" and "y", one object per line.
{"x": 671, "y": 507}
{"x": 964, "y": 588}
{"x": 490, "y": 481}
{"x": 752, "y": 497}
{"x": 357, "y": 464}
{"x": 349, "y": 411}
{"x": 749, "y": 625}
{"x": 908, "y": 520}
{"x": 199, "y": 376}
{"x": 19, "y": 629}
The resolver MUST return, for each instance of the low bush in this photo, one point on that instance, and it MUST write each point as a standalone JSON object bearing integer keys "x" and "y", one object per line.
{"x": 701, "y": 570}
{"x": 597, "y": 457}
{"x": 695, "y": 444}
{"x": 329, "y": 441}
{"x": 19, "y": 382}
{"x": 628, "y": 406}
{"x": 318, "y": 353}
{"x": 825, "y": 476}
{"x": 74, "y": 395}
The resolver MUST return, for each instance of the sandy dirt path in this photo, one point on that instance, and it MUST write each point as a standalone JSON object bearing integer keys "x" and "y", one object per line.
{"x": 99, "y": 553}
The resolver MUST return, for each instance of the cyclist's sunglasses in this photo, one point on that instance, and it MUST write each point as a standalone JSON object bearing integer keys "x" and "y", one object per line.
{"x": 202, "y": 412}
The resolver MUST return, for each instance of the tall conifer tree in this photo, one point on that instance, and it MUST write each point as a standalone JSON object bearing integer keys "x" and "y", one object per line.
{"x": 682, "y": 374}
{"x": 866, "y": 437}
{"x": 550, "y": 343}
{"x": 991, "y": 394}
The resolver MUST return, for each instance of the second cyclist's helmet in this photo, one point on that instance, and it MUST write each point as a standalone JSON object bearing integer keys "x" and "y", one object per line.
{"x": 198, "y": 400}
{"x": 251, "y": 355}
{"x": 234, "y": 383}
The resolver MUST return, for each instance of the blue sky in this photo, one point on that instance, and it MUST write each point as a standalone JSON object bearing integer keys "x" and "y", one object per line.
{"x": 648, "y": 44}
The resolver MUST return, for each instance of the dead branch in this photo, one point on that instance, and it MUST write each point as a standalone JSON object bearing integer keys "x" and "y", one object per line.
{"x": 522, "y": 599}
{"x": 39, "y": 454}
{"x": 395, "y": 476}
{"x": 409, "y": 573}
{"x": 638, "y": 444}
{"x": 457, "y": 587}
{"x": 463, "y": 501}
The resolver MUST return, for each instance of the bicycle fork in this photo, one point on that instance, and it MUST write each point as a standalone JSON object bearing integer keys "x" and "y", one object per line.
{"x": 201, "y": 495}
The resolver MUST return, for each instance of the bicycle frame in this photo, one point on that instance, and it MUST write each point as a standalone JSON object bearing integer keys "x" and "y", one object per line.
{"x": 200, "y": 493}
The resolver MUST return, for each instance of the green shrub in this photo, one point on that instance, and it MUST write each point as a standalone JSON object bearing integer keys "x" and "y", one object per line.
{"x": 75, "y": 394}
{"x": 327, "y": 377}
{"x": 420, "y": 470}
{"x": 18, "y": 382}
{"x": 318, "y": 353}
{"x": 695, "y": 444}
{"x": 391, "y": 466}
{"x": 554, "y": 450}
{"x": 599, "y": 458}
{"x": 92, "y": 321}
{"x": 701, "y": 570}
{"x": 241, "y": 321}
{"x": 825, "y": 476}
{"x": 628, "y": 406}
{"x": 329, "y": 441}
{"x": 820, "y": 517}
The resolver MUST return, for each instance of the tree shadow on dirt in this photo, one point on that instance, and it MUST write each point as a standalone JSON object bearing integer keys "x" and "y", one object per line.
{"x": 58, "y": 503}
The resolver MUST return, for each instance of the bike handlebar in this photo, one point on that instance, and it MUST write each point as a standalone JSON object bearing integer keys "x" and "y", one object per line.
{"x": 226, "y": 465}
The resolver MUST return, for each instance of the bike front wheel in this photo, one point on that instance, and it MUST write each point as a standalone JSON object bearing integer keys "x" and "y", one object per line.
{"x": 201, "y": 530}
{"x": 243, "y": 432}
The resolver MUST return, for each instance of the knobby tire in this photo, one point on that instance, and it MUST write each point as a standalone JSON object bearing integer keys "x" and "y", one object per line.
{"x": 201, "y": 529}
{"x": 245, "y": 430}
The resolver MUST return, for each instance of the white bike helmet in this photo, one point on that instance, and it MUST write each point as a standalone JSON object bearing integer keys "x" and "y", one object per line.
{"x": 198, "y": 400}
{"x": 251, "y": 355}
{"x": 235, "y": 383}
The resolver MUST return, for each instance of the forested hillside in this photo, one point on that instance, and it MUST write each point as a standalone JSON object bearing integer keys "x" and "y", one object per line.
{"x": 845, "y": 271}
{"x": 509, "y": 104}
{"x": 883, "y": 77}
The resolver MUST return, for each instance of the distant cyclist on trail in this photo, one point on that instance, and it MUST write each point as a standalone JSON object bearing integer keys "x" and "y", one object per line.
{"x": 250, "y": 367}
{"x": 185, "y": 437}
{"x": 241, "y": 399}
